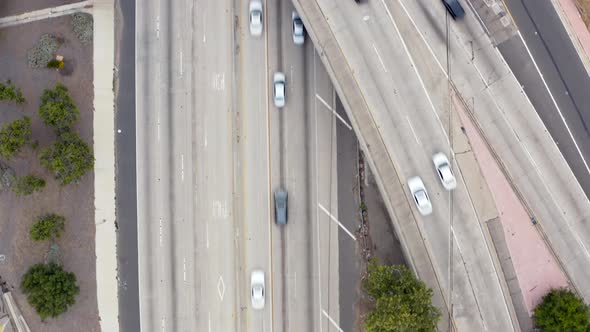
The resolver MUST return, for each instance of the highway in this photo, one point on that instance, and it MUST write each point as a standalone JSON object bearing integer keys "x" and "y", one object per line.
{"x": 546, "y": 63}
{"x": 398, "y": 76}
{"x": 211, "y": 150}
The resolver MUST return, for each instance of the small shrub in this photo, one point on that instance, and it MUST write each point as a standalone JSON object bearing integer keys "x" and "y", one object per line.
{"x": 9, "y": 92}
{"x": 49, "y": 289}
{"x": 69, "y": 158}
{"x": 83, "y": 27}
{"x": 55, "y": 64}
{"x": 35, "y": 145}
{"x": 48, "y": 227}
{"x": 26, "y": 185}
{"x": 43, "y": 52}
{"x": 57, "y": 109}
{"x": 13, "y": 136}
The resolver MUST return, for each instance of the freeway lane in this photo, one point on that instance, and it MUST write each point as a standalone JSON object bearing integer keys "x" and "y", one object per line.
{"x": 564, "y": 74}
{"x": 253, "y": 169}
{"x": 213, "y": 140}
{"x": 405, "y": 82}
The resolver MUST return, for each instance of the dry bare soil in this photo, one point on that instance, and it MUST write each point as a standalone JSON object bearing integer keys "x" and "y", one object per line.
{"x": 75, "y": 201}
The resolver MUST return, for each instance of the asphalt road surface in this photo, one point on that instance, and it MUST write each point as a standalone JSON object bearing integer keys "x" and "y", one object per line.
{"x": 558, "y": 85}
{"x": 126, "y": 190}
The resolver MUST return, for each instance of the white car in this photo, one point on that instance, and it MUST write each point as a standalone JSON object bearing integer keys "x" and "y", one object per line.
{"x": 279, "y": 89}
{"x": 257, "y": 289}
{"x": 420, "y": 195}
{"x": 298, "y": 29}
{"x": 445, "y": 173}
{"x": 256, "y": 18}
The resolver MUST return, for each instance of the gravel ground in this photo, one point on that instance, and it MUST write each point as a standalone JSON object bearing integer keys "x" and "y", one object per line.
{"x": 16, "y": 7}
{"x": 75, "y": 202}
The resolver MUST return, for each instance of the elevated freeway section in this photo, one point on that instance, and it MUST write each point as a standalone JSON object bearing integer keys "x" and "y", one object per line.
{"x": 398, "y": 67}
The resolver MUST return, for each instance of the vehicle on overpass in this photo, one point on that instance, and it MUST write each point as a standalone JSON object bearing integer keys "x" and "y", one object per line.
{"x": 420, "y": 195}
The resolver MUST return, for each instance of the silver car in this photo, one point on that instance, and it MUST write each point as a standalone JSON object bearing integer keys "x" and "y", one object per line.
{"x": 298, "y": 29}
{"x": 255, "y": 18}
{"x": 445, "y": 173}
{"x": 257, "y": 289}
{"x": 281, "y": 197}
{"x": 420, "y": 195}
{"x": 279, "y": 93}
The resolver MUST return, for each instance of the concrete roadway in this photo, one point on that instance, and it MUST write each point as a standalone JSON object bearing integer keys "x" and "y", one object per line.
{"x": 405, "y": 80}
{"x": 185, "y": 227}
{"x": 211, "y": 150}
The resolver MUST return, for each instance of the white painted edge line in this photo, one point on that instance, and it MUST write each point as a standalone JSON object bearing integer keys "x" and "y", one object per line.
{"x": 331, "y": 320}
{"x": 555, "y": 104}
{"x": 333, "y": 111}
{"x": 317, "y": 180}
{"x": 336, "y": 221}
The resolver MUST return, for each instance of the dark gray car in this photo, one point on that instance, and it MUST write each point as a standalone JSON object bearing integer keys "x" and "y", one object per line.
{"x": 454, "y": 8}
{"x": 281, "y": 207}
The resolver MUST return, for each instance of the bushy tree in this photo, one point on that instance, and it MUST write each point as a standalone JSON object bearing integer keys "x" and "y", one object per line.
{"x": 402, "y": 302}
{"x": 48, "y": 227}
{"x": 69, "y": 158}
{"x": 13, "y": 136}
{"x": 562, "y": 310}
{"x": 9, "y": 92}
{"x": 49, "y": 289}
{"x": 28, "y": 184}
{"x": 57, "y": 109}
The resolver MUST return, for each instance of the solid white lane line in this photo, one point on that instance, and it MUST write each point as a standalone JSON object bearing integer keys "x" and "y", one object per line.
{"x": 336, "y": 221}
{"x": 184, "y": 268}
{"x": 555, "y": 104}
{"x": 413, "y": 132}
{"x": 331, "y": 320}
{"x": 379, "y": 57}
{"x": 209, "y": 318}
{"x": 317, "y": 181}
{"x": 333, "y": 111}
{"x": 411, "y": 58}
{"x": 158, "y": 124}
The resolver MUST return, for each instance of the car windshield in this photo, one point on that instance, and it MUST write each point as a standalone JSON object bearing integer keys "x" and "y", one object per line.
{"x": 420, "y": 197}
{"x": 257, "y": 291}
{"x": 255, "y": 16}
{"x": 445, "y": 172}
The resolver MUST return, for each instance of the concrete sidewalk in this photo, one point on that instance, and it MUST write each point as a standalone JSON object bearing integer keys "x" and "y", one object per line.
{"x": 575, "y": 27}
{"x": 45, "y": 13}
{"x": 104, "y": 169}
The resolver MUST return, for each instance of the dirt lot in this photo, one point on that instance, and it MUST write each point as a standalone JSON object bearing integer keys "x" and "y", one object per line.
{"x": 15, "y": 7}
{"x": 76, "y": 201}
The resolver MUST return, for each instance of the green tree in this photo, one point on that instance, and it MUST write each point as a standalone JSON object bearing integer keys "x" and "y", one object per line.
{"x": 10, "y": 92}
{"x": 402, "y": 302}
{"x": 26, "y": 185}
{"x": 69, "y": 158}
{"x": 48, "y": 227}
{"x": 13, "y": 136}
{"x": 562, "y": 310}
{"x": 57, "y": 109}
{"x": 49, "y": 289}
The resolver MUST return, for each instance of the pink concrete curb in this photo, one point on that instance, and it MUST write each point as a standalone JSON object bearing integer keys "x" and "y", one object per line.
{"x": 536, "y": 269}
